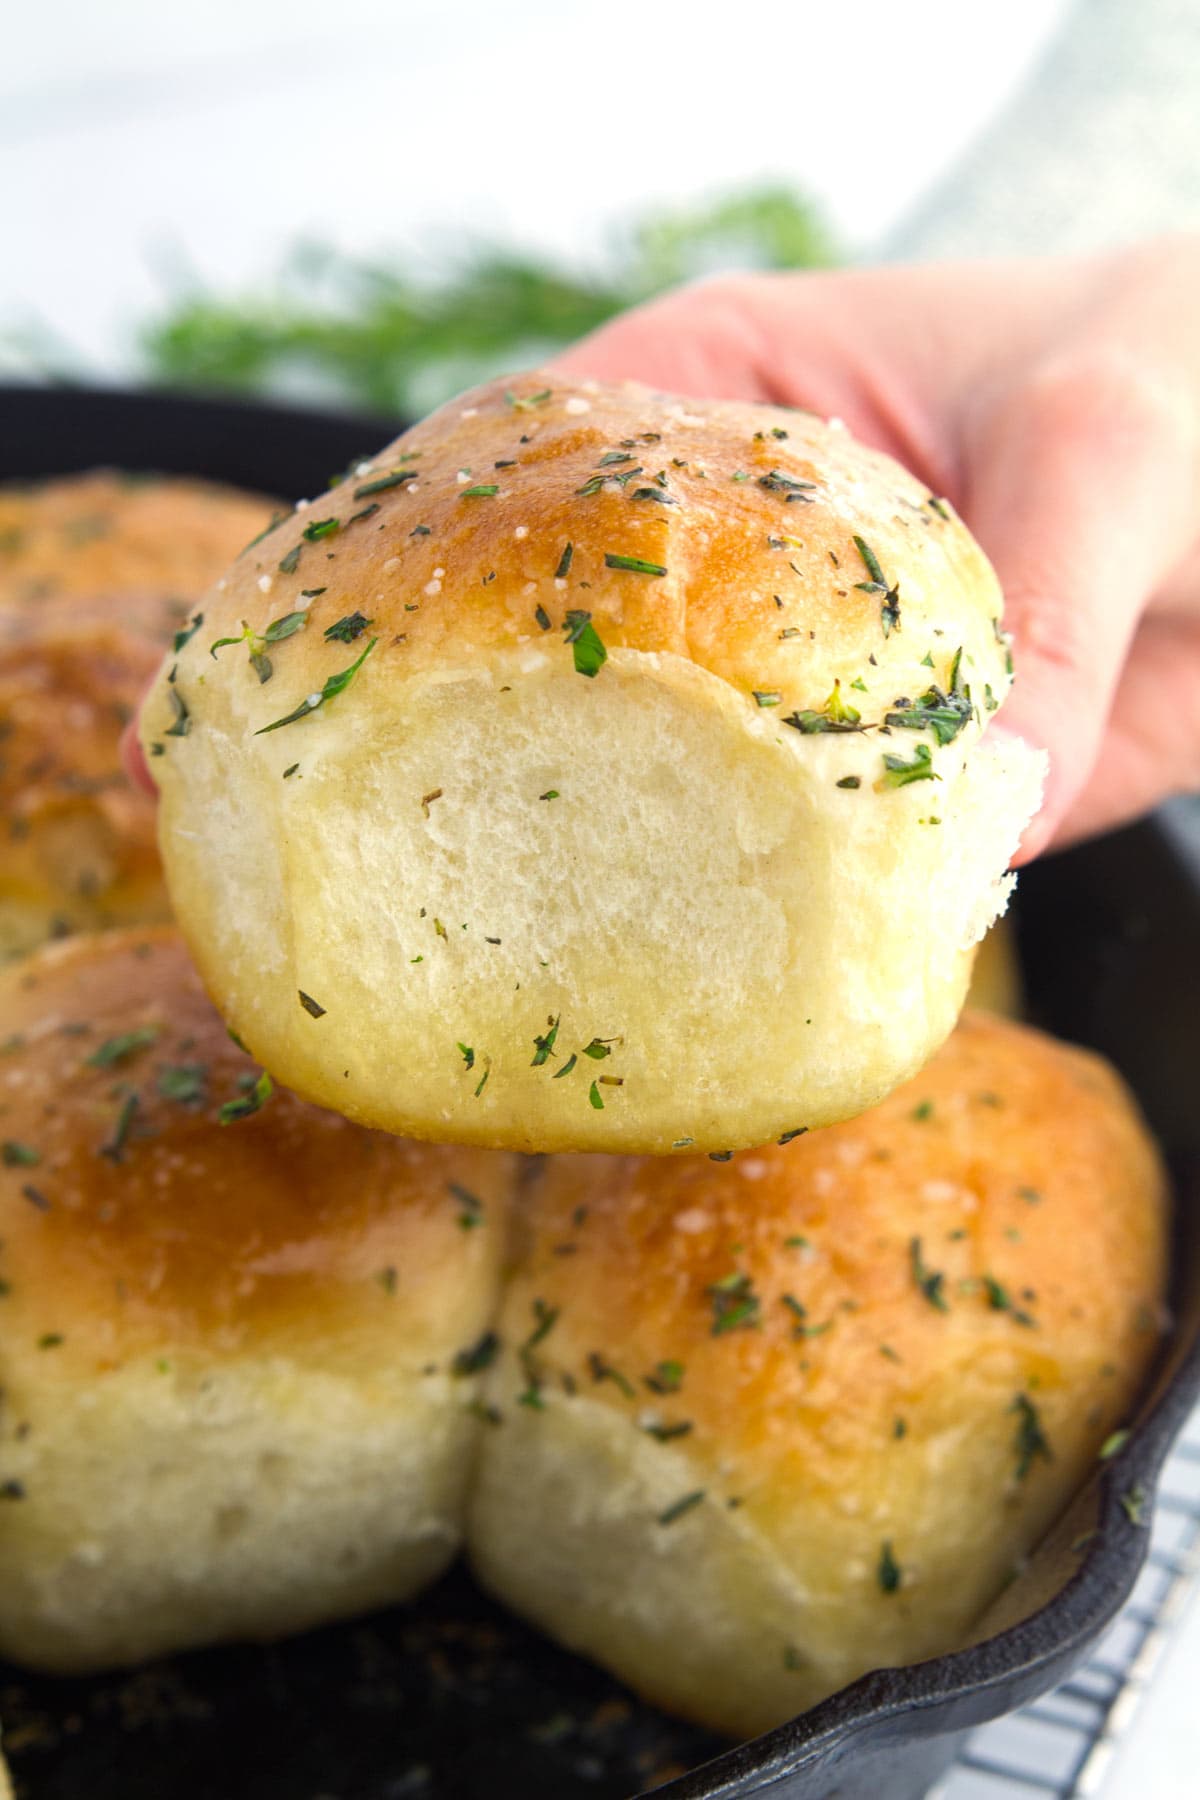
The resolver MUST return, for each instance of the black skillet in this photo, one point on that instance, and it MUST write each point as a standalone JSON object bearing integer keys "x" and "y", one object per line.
{"x": 453, "y": 1699}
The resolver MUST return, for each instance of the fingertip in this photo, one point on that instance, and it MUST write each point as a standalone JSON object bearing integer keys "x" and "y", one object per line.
{"x": 134, "y": 761}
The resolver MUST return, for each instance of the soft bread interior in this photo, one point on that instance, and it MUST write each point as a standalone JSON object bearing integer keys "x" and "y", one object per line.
{"x": 636, "y": 859}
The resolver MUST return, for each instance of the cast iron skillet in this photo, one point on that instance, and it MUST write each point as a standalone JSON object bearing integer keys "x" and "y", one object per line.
{"x": 454, "y": 1700}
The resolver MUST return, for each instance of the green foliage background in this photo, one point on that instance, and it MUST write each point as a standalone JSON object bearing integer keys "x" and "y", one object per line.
{"x": 378, "y": 335}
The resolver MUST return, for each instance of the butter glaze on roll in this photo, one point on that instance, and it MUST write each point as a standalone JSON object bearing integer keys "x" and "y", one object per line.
{"x": 121, "y": 536}
{"x": 576, "y": 734}
{"x": 768, "y": 1424}
{"x": 79, "y": 847}
{"x": 231, "y": 1401}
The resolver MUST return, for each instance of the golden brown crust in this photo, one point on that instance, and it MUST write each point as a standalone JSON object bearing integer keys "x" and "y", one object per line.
{"x": 79, "y": 841}
{"x": 169, "y": 1230}
{"x": 770, "y": 1423}
{"x": 752, "y": 512}
{"x": 990, "y": 1158}
{"x": 122, "y": 537}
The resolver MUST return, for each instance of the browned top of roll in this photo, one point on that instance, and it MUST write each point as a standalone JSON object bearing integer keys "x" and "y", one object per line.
{"x": 69, "y": 684}
{"x": 120, "y": 535}
{"x": 130, "y": 1217}
{"x": 724, "y": 533}
{"x": 998, "y": 1220}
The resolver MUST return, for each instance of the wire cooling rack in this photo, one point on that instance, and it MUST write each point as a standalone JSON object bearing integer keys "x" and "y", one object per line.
{"x": 1060, "y": 1748}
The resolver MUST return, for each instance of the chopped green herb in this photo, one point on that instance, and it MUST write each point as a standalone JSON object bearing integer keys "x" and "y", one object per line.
{"x": 1030, "y": 1440}
{"x": 777, "y": 482}
{"x": 634, "y": 564}
{"x": 50, "y": 1340}
{"x": 1000, "y": 1300}
{"x": 183, "y": 719}
{"x": 654, "y": 493}
{"x": 599, "y": 1048}
{"x": 564, "y": 564}
{"x": 321, "y": 528}
{"x": 938, "y": 506}
{"x": 550, "y": 794}
{"x": 602, "y": 1370}
{"x": 285, "y": 627}
{"x": 335, "y": 685}
{"x": 291, "y": 562}
{"x": 665, "y": 1378}
{"x": 312, "y": 1007}
{"x": 931, "y": 1282}
{"x": 468, "y": 1055}
{"x": 889, "y": 1570}
{"x": 526, "y": 403}
{"x": 472, "y": 1206}
{"x": 664, "y": 1433}
{"x": 1114, "y": 1443}
{"x": 734, "y": 1303}
{"x": 594, "y": 1098}
{"x": 114, "y": 1147}
{"x": 344, "y": 631}
{"x": 19, "y": 1156}
{"x": 836, "y": 715}
{"x": 566, "y": 1068}
{"x": 581, "y": 634}
{"x": 542, "y": 617}
{"x": 898, "y": 773}
{"x": 184, "y": 1083}
{"x": 116, "y": 1050}
{"x": 382, "y": 483}
{"x": 479, "y": 1355}
{"x": 252, "y": 1101}
{"x": 544, "y": 1046}
{"x": 187, "y": 634}
{"x": 943, "y": 714}
{"x": 677, "y": 1509}
{"x": 485, "y": 490}
{"x": 899, "y": 1427}
{"x": 767, "y": 696}
{"x": 1133, "y": 1505}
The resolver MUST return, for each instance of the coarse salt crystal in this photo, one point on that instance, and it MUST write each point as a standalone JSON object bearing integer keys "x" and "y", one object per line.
{"x": 576, "y": 404}
{"x": 265, "y": 584}
{"x": 522, "y": 531}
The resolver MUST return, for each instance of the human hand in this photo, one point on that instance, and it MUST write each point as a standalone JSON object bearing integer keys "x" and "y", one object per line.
{"x": 1056, "y": 403}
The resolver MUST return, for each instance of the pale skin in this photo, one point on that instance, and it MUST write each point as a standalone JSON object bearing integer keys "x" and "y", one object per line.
{"x": 1056, "y": 403}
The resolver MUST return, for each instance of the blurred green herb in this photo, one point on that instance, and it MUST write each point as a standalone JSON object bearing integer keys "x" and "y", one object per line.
{"x": 384, "y": 336}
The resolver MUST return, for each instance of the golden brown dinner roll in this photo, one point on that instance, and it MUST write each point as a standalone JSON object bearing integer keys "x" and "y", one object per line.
{"x": 596, "y": 718}
{"x": 239, "y": 1335}
{"x": 767, "y": 1424}
{"x": 126, "y": 537}
{"x": 77, "y": 839}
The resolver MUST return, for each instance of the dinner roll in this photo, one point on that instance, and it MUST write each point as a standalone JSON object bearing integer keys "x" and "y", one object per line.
{"x": 621, "y": 779}
{"x": 239, "y": 1334}
{"x": 767, "y": 1424}
{"x": 79, "y": 845}
{"x": 996, "y": 984}
{"x": 127, "y": 537}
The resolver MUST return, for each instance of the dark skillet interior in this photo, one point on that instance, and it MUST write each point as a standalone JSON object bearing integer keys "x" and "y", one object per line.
{"x": 453, "y": 1699}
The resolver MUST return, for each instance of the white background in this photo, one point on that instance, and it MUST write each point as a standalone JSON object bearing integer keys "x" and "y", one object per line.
{"x": 138, "y": 137}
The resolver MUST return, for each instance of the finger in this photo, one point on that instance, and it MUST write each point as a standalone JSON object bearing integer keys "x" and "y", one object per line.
{"x": 702, "y": 340}
{"x": 1080, "y": 488}
{"x": 1152, "y": 743}
{"x": 133, "y": 760}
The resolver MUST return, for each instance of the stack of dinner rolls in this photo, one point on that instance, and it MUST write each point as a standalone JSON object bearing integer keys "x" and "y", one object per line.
{"x": 591, "y": 771}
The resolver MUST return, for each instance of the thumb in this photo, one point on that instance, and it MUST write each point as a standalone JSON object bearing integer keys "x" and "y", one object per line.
{"x": 1080, "y": 488}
